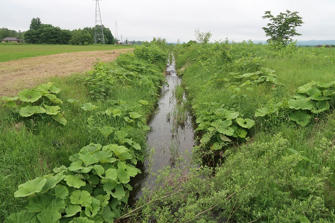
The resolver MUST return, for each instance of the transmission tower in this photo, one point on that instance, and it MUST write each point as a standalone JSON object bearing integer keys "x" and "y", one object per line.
{"x": 98, "y": 28}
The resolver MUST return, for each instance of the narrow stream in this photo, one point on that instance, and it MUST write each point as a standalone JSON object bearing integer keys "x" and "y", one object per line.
{"x": 169, "y": 140}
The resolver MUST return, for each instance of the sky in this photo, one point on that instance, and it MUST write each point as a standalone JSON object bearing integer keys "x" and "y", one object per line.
{"x": 174, "y": 20}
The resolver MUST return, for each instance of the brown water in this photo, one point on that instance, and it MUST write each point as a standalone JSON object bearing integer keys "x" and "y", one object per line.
{"x": 170, "y": 143}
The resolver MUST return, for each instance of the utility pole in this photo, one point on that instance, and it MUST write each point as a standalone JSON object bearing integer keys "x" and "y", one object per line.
{"x": 99, "y": 36}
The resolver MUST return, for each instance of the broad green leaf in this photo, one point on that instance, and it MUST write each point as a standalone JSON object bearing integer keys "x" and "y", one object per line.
{"x": 52, "y": 110}
{"x": 88, "y": 158}
{"x": 52, "y": 181}
{"x": 91, "y": 148}
{"x": 81, "y": 220}
{"x": 44, "y": 88}
{"x": 217, "y": 146}
{"x": 123, "y": 176}
{"x": 9, "y": 99}
{"x": 300, "y": 104}
{"x": 81, "y": 197}
{"x": 132, "y": 171}
{"x": 61, "y": 191}
{"x": 30, "y": 110}
{"x": 31, "y": 187}
{"x": 231, "y": 115}
{"x": 54, "y": 99}
{"x": 49, "y": 215}
{"x": 72, "y": 210}
{"x": 320, "y": 106}
{"x": 143, "y": 102}
{"x": 112, "y": 174}
{"x": 228, "y": 131}
{"x": 54, "y": 89}
{"x": 224, "y": 138}
{"x": 301, "y": 118}
{"x": 74, "y": 181}
{"x": 106, "y": 131}
{"x": 60, "y": 119}
{"x": 120, "y": 151}
{"x": 75, "y": 166}
{"x": 245, "y": 123}
{"x": 99, "y": 170}
{"x": 22, "y": 217}
{"x": 119, "y": 192}
{"x": 306, "y": 88}
{"x": 134, "y": 115}
{"x": 88, "y": 107}
{"x": 93, "y": 209}
{"x": 30, "y": 96}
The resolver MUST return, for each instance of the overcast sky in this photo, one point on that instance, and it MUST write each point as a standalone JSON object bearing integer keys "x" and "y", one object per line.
{"x": 173, "y": 19}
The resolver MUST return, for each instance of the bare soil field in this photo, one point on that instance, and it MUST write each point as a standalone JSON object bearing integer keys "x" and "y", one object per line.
{"x": 29, "y": 72}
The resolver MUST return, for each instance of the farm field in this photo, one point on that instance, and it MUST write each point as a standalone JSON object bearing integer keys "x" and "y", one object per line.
{"x": 263, "y": 120}
{"x": 28, "y": 72}
{"x": 17, "y": 51}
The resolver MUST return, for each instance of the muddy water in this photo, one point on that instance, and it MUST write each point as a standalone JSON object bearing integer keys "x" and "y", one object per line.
{"x": 170, "y": 143}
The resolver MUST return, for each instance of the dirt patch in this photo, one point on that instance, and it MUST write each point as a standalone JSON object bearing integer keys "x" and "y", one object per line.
{"x": 25, "y": 73}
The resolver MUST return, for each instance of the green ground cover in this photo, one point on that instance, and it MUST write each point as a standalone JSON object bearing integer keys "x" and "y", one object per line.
{"x": 264, "y": 137}
{"x": 17, "y": 51}
{"x": 109, "y": 106}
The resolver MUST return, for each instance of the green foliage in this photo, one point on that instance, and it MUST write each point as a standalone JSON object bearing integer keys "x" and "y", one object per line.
{"x": 37, "y": 103}
{"x": 282, "y": 27}
{"x": 262, "y": 182}
{"x": 81, "y": 37}
{"x": 95, "y": 186}
{"x": 202, "y": 37}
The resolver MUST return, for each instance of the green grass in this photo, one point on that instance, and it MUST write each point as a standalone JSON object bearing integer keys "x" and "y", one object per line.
{"x": 26, "y": 153}
{"x": 282, "y": 172}
{"x": 17, "y": 51}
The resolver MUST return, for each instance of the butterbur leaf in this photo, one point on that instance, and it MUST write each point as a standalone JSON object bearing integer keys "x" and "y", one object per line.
{"x": 143, "y": 102}
{"x": 54, "y": 99}
{"x": 60, "y": 119}
{"x": 301, "y": 118}
{"x": 132, "y": 171}
{"x": 300, "y": 103}
{"x": 88, "y": 107}
{"x": 99, "y": 170}
{"x": 52, "y": 181}
{"x": 120, "y": 151}
{"x": 134, "y": 115}
{"x": 245, "y": 123}
{"x": 61, "y": 191}
{"x": 81, "y": 197}
{"x": 320, "y": 106}
{"x": 30, "y": 96}
{"x": 81, "y": 220}
{"x": 231, "y": 115}
{"x": 74, "y": 181}
{"x": 123, "y": 176}
{"x": 93, "y": 209}
{"x": 44, "y": 88}
{"x": 217, "y": 146}
{"x": 31, "y": 187}
{"x": 49, "y": 215}
{"x": 9, "y": 99}
{"x": 54, "y": 89}
{"x": 72, "y": 210}
{"x": 111, "y": 173}
{"x": 52, "y": 110}
{"x": 30, "y": 110}
{"x": 88, "y": 158}
{"x": 119, "y": 192}
{"x": 106, "y": 131}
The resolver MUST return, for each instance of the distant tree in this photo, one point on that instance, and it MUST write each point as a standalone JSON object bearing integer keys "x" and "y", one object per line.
{"x": 81, "y": 37}
{"x": 35, "y": 24}
{"x": 202, "y": 37}
{"x": 4, "y": 32}
{"x": 282, "y": 27}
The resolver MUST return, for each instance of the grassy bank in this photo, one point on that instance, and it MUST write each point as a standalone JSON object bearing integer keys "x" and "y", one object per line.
{"x": 108, "y": 106}
{"x": 17, "y": 51}
{"x": 273, "y": 156}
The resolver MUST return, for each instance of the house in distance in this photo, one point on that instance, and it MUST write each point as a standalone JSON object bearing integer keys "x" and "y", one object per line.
{"x": 11, "y": 40}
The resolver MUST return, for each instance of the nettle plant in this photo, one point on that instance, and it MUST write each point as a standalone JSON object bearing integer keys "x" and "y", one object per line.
{"x": 220, "y": 127}
{"x": 311, "y": 100}
{"x": 39, "y": 102}
{"x": 94, "y": 188}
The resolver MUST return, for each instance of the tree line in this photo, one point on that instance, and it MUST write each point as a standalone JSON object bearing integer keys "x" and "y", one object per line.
{"x": 40, "y": 33}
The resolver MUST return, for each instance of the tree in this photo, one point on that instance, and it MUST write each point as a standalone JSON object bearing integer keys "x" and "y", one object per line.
{"x": 282, "y": 27}
{"x": 202, "y": 37}
{"x": 35, "y": 24}
{"x": 81, "y": 37}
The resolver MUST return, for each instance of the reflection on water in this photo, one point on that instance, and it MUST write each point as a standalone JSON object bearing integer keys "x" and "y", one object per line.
{"x": 170, "y": 144}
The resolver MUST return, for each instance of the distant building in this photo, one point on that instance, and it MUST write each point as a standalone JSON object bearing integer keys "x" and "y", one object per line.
{"x": 11, "y": 40}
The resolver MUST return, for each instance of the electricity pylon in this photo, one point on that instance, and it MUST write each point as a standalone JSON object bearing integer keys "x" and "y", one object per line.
{"x": 99, "y": 36}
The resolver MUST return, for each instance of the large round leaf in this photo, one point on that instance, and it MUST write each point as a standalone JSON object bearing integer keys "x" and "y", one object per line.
{"x": 31, "y": 187}
{"x": 301, "y": 103}
{"x": 29, "y": 95}
{"x": 52, "y": 110}
{"x": 320, "y": 106}
{"x": 29, "y": 110}
{"x": 245, "y": 123}
{"x": 301, "y": 118}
